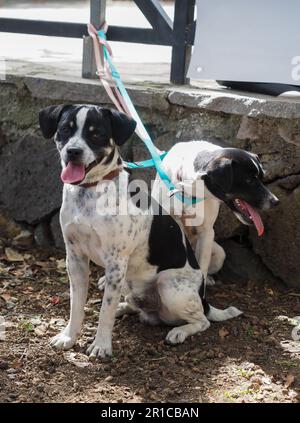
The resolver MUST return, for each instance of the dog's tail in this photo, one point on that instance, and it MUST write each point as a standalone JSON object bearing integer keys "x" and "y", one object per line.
{"x": 215, "y": 314}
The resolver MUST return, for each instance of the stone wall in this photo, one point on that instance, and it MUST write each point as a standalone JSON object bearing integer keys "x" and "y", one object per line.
{"x": 30, "y": 189}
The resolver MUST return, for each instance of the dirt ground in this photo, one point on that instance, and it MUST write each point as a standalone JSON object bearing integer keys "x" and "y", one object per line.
{"x": 252, "y": 358}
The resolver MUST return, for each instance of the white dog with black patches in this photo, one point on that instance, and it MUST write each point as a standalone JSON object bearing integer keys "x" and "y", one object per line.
{"x": 147, "y": 254}
{"x": 230, "y": 175}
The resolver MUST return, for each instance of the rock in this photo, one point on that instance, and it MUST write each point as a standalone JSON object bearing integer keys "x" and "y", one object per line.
{"x": 149, "y": 98}
{"x": 218, "y": 128}
{"x": 30, "y": 179}
{"x": 90, "y": 91}
{"x": 227, "y": 225}
{"x": 249, "y": 129}
{"x": 289, "y": 183}
{"x": 30, "y": 189}
{"x": 42, "y": 235}
{"x": 268, "y": 139}
{"x": 290, "y": 134}
{"x": 56, "y": 232}
{"x": 243, "y": 265}
{"x": 280, "y": 246}
{"x": 231, "y": 102}
{"x": 2, "y": 138}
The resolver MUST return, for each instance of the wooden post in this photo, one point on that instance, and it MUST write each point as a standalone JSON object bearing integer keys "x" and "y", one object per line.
{"x": 181, "y": 51}
{"x": 97, "y": 18}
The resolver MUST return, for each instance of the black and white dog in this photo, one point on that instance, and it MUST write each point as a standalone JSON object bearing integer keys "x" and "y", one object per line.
{"x": 229, "y": 175}
{"x": 147, "y": 253}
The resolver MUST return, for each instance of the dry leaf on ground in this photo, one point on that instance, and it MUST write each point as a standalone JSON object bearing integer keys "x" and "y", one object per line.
{"x": 223, "y": 332}
{"x": 13, "y": 255}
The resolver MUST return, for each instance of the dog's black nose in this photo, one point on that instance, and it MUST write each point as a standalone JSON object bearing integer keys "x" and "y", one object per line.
{"x": 74, "y": 153}
{"x": 274, "y": 201}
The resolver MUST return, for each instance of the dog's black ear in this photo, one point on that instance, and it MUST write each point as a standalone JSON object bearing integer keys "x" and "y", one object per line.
{"x": 50, "y": 117}
{"x": 122, "y": 127}
{"x": 221, "y": 173}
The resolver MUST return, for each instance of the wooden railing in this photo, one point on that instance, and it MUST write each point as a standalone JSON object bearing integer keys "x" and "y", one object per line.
{"x": 179, "y": 33}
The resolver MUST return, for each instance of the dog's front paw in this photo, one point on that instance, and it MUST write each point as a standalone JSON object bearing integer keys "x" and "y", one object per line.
{"x": 99, "y": 350}
{"x": 62, "y": 341}
{"x": 101, "y": 283}
{"x": 176, "y": 336}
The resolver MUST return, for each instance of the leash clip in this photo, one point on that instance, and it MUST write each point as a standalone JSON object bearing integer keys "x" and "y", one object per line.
{"x": 174, "y": 191}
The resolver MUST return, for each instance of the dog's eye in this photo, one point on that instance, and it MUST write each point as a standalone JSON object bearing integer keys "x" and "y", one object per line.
{"x": 97, "y": 136}
{"x": 64, "y": 130}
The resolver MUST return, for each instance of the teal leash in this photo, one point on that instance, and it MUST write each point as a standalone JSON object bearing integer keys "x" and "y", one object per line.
{"x": 144, "y": 164}
{"x": 145, "y": 137}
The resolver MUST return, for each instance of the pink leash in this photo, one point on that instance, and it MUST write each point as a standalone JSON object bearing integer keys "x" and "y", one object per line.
{"x": 103, "y": 71}
{"x": 117, "y": 92}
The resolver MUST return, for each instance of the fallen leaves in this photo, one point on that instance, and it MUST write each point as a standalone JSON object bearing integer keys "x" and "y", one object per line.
{"x": 239, "y": 366}
{"x": 6, "y": 297}
{"x": 34, "y": 325}
{"x": 269, "y": 291}
{"x": 41, "y": 330}
{"x": 9, "y": 300}
{"x": 13, "y": 255}
{"x": 77, "y": 359}
{"x": 223, "y": 332}
{"x": 42, "y": 264}
{"x": 28, "y": 291}
{"x": 24, "y": 239}
{"x": 16, "y": 364}
{"x": 57, "y": 323}
{"x": 61, "y": 264}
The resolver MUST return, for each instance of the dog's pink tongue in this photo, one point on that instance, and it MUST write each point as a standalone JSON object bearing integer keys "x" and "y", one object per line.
{"x": 256, "y": 219}
{"x": 73, "y": 173}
